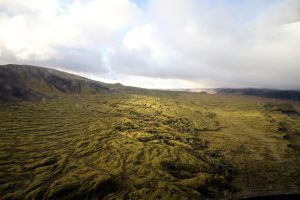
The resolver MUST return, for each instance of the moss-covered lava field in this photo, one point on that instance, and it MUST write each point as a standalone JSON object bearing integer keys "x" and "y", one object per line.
{"x": 152, "y": 145}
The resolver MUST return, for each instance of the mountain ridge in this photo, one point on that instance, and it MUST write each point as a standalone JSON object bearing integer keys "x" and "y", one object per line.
{"x": 259, "y": 92}
{"x": 26, "y": 82}
{"x": 263, "y": 92}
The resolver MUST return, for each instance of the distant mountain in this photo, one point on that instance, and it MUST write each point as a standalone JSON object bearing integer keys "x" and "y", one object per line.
{"x": 23, "y": 82}
{"x": 267, "y": 93}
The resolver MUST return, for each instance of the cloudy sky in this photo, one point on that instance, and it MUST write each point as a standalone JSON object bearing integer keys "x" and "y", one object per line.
{"x": 158, "y": 43}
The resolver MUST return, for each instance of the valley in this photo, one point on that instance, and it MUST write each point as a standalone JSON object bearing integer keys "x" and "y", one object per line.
{"x": 157, "y": 145}
{"x": 68, "y": 137}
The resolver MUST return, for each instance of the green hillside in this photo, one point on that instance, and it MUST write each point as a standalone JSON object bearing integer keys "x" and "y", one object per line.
{"x": 23, "y": 82}
{"x": 127, "y": 143}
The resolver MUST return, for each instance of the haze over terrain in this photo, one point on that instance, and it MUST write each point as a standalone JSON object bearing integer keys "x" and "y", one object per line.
{"x": 158, "y": 44}
{"x": 25, "y": 82}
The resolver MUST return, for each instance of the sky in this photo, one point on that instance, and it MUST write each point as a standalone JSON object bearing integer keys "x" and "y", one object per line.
{"x": 167, "y": 44}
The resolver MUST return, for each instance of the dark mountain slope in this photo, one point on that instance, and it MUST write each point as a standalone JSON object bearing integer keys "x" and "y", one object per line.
{"x": 267, "y": 93}
{"x": 23, "y": 82}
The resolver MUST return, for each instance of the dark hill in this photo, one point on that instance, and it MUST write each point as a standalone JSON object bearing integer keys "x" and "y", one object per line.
{"x": 267, "y": 93}
{"x": 23, "y": 82}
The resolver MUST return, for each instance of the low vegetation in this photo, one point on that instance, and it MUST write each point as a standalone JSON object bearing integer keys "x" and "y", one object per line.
{"x": 156, "y": 145}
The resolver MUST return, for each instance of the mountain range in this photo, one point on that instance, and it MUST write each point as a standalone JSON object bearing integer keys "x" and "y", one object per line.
{"x": 25, "y": 82}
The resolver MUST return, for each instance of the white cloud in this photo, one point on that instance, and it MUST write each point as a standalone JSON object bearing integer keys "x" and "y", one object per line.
{"x": 37, "y": 29}
{"x": 146, "y": 37}
{"x": 208, "y": 43}
{"x": 191, "y": 43}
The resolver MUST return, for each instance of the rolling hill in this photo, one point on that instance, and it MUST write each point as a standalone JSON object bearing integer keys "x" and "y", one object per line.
{"x": 258, "y": 92}
{"x": 23, "y": 82}
{"x": 267, "y": 93}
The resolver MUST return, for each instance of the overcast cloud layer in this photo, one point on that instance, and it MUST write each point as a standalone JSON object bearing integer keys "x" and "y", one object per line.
{"x": 158, "y": 43}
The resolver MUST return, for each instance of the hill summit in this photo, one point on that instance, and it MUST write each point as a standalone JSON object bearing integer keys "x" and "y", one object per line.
{"x": 25, "y": 82}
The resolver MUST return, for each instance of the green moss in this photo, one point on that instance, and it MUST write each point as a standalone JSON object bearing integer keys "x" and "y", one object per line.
{"x": 156, "y": 145}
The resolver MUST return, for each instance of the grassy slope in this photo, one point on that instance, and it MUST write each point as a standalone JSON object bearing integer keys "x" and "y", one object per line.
{"x": 154, "y": 145}
{"x": 22, "y": 82}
